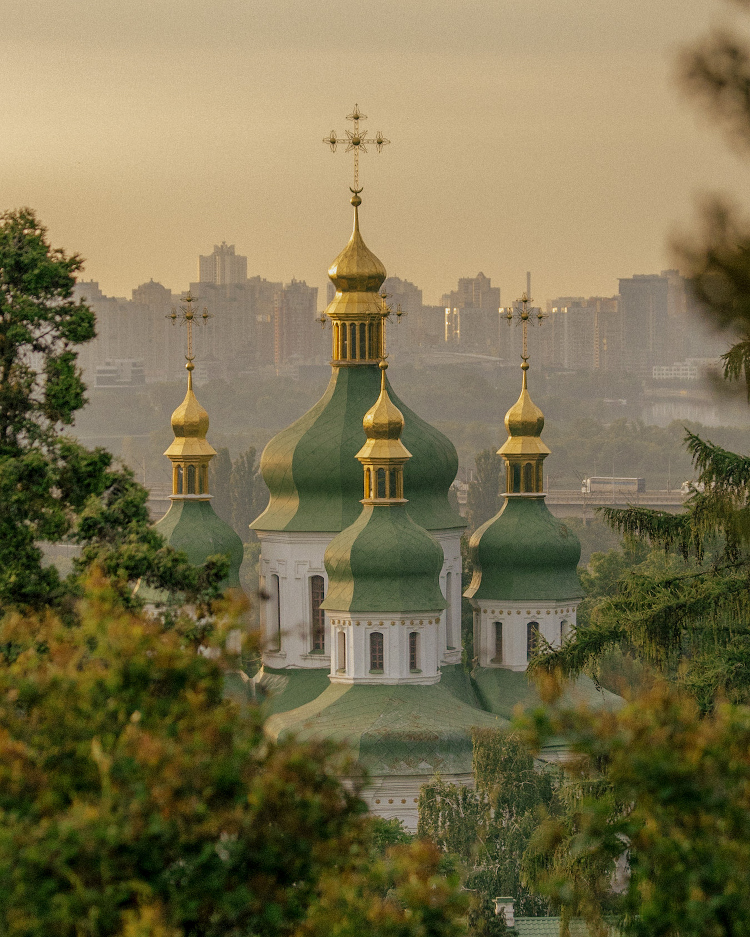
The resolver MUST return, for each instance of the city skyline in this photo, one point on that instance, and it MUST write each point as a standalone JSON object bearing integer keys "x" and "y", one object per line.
{"x": 547, "y": 137}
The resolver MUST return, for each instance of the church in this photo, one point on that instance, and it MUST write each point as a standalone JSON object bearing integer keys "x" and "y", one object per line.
{"x": 361, "y": 560}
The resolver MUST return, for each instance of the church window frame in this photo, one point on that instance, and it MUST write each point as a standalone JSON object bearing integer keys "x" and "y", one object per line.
{"x": 276, "y": 600}
{"x": 414, "y": 652}
{"x": 533, "y": 637}
{"x": 381, "y": 483}
{"x": 191, "y": 479}
{"x": 343, "y": 336}
{"x": 341, "y": 651}
{"x": 353, "y": 341}
{"x": 377, "y": 652}
{"x": 179, "y": 479}
{"x": 498, "y": 658}
{"x": 528, "y": 476}
{"x": 317, "y": 615}
{"x": 516, "y": 478}
{"x": 362, "y": 341}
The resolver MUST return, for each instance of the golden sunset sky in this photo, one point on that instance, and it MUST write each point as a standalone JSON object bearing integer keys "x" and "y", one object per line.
{"x": 545, "y": 135}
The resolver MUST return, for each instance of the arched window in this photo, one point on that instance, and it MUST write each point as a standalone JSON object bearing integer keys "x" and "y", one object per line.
{"x": 179, "y": 483}
{"x": 532, "y": 639}
{"x": 275, "y": 617}
{"x": 341, "y": 652}
{"x": 203, "y": 480}
{"x": 191, "y": 480}
{"x": 414, "y": 651}
{"x": 516, "y": 477}
{"x": 352, "y": 340}
{"x": 376, "y": 652}
{"x": 564, "y": 630}
{"x": 392, "y": 493}
{"x": 528, "y": 477}
{"x": 381, "y": 483}
{"x": 539, "y": 477}
{"x": 343, "y": 332}
{"x": 498, "y": 642}
{"x": 362, "y": 340}
{"x": 370, "y": 340}
{"x": 318, "y": 615}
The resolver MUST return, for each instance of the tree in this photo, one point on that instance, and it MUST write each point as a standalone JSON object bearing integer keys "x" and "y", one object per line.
{"x": 52, "y": 488}
{"x": 488, "y": 828}
{"x": 665, "y": 787}
{"x": 483, "y": 496}
{"x": 140, "y": 795}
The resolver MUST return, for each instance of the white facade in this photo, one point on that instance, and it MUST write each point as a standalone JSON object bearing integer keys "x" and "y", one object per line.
{"x": 397, "y": 796}
{"x": 385, "y": 648}
{"x": 290, "y": 560}
{"x": 288, "y": 563}
{"x": 505, "y": 633}
{"x": 450, "y": 586}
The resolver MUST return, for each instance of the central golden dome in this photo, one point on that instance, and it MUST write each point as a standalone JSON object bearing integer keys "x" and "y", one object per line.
{"x": 357, "y": 269}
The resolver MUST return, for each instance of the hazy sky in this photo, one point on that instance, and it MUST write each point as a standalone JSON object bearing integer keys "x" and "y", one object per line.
{"x": 526, "y": 134}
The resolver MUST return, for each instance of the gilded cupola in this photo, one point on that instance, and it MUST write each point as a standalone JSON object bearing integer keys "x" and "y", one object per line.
{"x": 523, "y": 451}
{"x": 383, "y": 455}
{"x": 357, "y": 312}
{"x": 190, "y": 451}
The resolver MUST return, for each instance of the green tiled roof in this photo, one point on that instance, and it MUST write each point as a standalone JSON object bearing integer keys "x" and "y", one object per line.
{"x": 525, "y": 553}
{"x": 501, "y": 691}
{"x": 315, "y": 480}
{"x": 550, "y": 927}
{"x": 384, "y": 562}
{"x": 393, "y": 730}
{"x": 196, "y": 529}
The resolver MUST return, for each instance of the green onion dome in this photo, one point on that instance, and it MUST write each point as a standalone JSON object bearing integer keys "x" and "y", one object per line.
{"x": 310, "y": 467}
{"x": 384, "y": 562}
{"x": 524, "y": 553}
{"x": 195, "y": 528}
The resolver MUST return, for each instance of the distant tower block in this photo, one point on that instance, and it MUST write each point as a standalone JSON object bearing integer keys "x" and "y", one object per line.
{"x": 223, "y": 266}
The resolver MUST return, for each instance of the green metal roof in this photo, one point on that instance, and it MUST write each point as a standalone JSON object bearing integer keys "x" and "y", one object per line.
{"x": 525, "y": 554}
{"x": 393, "y": 730}
{"x": 384, "y": 562}
{"x": 550, "y": 927}
{"x": 501, "y": 691}
{"x": 315, "y": 480}
{"x": 196, "y": 529}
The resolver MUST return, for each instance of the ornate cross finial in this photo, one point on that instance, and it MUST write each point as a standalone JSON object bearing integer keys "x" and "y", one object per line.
{"x": 524, "y": 315}
{"x": 355, "y": 141}
{"x": 187, "y": 315}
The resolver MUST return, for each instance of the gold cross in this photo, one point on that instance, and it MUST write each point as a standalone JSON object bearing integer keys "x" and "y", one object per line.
{"x": 524, "y": 315}
{"x": 355, "y": 141}
{"x": 187, "y": 315}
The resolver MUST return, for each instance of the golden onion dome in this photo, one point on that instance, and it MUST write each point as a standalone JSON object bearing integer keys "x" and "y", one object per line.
{"x": 383, "y": 420}
{"x": 383, "y": 424}
{"x": 524, "y": 418}
{"x": 357, "y": 269}
{"x": 190, "y": 425}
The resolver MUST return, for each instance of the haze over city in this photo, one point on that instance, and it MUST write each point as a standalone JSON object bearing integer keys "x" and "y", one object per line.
{"x": 547, "y": 135}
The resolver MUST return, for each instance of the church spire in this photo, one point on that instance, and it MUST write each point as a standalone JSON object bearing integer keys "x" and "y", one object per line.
{"x": 190, "y": 451}
{"x": 523, "y": 451}
{"x": 383, "y": 455}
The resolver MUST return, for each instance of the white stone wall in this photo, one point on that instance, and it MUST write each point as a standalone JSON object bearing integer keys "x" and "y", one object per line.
{"x": 450, "y": 584}
{"x": 398, "y": 796}
{"x": 294, "y": 558}
{"x": 351, "y": 643}
{"x": 555, "y": 620}
{"x": 286, "y": 618}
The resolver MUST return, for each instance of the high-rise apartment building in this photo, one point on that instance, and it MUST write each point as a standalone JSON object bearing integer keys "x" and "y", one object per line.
{"x": 471, "y": 314}
{"x": 223, "y": 266}
{"x": 296, "y": 333}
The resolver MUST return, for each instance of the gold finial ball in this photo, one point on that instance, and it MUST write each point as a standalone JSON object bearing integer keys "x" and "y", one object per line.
{"x": 356, "y": 200}
{"x": 190, "y": 366}
{"x": 383, "y": 364}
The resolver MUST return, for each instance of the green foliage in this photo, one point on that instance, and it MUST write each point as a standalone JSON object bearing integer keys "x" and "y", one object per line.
{"x": 404, "y": 894}
{"x": 666, "y": 788}
{"x": 489, "y": 828}
{"x": 131, "y": 789}
{"x": 51, "y": 488}
{"x": 483, "y": 497}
